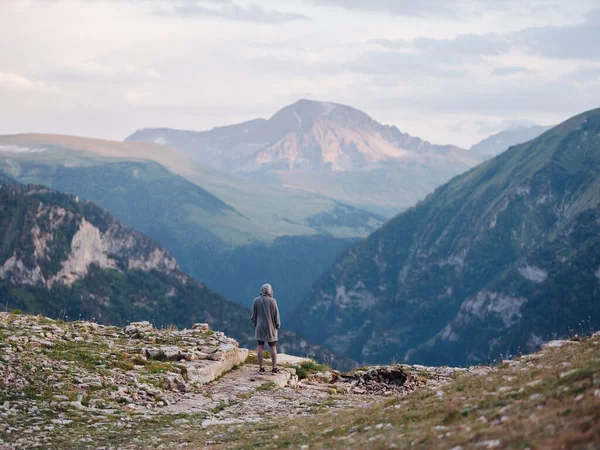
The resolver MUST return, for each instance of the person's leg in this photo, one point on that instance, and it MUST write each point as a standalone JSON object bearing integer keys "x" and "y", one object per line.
{"x": 261, "y": 349}
{"x": 273, "y": 351}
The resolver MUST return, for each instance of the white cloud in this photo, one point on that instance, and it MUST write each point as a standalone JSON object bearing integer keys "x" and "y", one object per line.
{"x": 227, "y": 10}
{"x": 18, "y": 83}
{"x": 93, "y": 72}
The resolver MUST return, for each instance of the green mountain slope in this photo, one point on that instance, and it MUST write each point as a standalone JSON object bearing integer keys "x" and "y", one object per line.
{"x": 491, "y": 263}
{"x": 62, "y": 256}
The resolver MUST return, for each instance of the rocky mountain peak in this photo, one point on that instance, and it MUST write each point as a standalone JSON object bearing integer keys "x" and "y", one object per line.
{"x": 304, "y": 113}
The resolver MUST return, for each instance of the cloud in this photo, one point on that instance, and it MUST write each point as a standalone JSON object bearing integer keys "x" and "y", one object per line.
{"x": 584, "y": 75}
{"x": 392, "y": 44}
{"x": 503, "y": 97}
{"x": 441, "y": 8}
{"x": 94, "y": 72}
{"x": 18, "y": 83}
{"x": 565, "y": 42}
{"x": 578, "y": 41}
{"x": 407, "y": 65}
{"x": 509, "y": 70}
{"x": 400, "y": 7}
{"x": 229, "y": 10}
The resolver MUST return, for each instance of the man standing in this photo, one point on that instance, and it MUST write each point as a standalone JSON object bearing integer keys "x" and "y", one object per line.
{"x": 265, "y": 318}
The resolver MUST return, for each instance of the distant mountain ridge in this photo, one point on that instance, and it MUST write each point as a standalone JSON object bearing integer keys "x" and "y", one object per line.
{"x": 367, "y": 164}
{"x": 497, "y": 143}
{"x": 307, "y": 135}
{"x": 494, "y": 262}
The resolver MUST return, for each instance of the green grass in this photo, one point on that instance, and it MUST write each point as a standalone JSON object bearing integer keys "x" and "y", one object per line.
{"x": 306, "y": 368}
{"x": 269, "y": 386}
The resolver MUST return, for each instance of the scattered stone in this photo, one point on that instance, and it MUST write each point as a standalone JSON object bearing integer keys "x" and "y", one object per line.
{"x": 138, "y": 329}
{"x": 558, "y": 343}
{"x": 568, "y": 373}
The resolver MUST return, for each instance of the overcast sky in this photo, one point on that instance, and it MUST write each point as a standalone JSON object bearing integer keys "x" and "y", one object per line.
{"x": 447, "y": 71}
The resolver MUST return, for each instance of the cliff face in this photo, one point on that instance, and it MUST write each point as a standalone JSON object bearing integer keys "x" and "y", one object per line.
{"x": 58, "y": 244}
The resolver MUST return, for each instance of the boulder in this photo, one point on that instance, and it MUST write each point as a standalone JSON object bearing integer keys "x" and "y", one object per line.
{"x": 175, "y": 382}
{"x": 138, "y": 329}
{"x": 172, "y": 353}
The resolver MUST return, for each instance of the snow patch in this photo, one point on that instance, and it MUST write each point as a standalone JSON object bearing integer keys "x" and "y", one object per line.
{"x": 533, "y": 273}
{"x": 160, "y": 140}
{"x": 523, "y": 190}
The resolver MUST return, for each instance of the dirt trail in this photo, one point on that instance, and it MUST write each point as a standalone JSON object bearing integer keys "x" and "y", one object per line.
{"x": 245, "y": 395}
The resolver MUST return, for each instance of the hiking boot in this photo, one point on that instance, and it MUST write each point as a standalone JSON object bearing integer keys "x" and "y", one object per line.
{"x": 275, "y": 370}
{"x": 261, "y": 370}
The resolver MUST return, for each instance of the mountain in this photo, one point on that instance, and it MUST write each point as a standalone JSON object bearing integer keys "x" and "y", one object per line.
{"x": 217, "y": 225}
{"x": 65, "y": 256}
{"x": 492, "y": 263}
{"x": 499, "y": 142}
{"x": 327, "y": 148}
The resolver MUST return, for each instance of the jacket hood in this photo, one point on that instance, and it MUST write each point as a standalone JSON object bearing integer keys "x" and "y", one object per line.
{"x": 266, "y": 290}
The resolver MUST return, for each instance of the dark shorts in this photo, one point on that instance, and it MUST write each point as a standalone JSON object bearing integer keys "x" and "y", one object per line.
{"x": 271, "y": 344}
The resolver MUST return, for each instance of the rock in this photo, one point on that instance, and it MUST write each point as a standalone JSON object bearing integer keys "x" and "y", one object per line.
{"x": 181, "y": 421}
{"x": 567, "y": 373}
{"x": 323, "y": 377}
{"x": 189, "y": 356}
{"x": 152, "y": 353}
{"x": 171, "y": 353}
{"x": 138, "y": 329}
{"x": 217, "y": 356}
{"x": 201, "y": 327}
{"x": 175, "y": 382}
{"x": 557, "y": 343}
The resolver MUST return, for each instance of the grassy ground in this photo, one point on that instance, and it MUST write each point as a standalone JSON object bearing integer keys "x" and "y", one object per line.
{"x": 549, "y": 400}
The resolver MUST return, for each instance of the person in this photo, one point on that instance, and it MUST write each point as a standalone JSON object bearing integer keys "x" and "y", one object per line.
{"x": 265, "y": 318}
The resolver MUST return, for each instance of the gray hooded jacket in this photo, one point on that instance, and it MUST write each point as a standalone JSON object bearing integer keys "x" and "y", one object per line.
{"x": 265, "y": 315}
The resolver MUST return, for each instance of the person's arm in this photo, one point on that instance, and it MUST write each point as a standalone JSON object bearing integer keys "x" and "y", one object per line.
{"x": 276, "y": 319}
{"x": 254, "y": 317}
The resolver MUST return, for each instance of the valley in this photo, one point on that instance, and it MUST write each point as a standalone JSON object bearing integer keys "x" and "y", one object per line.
{"x": 206, "y": 219}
